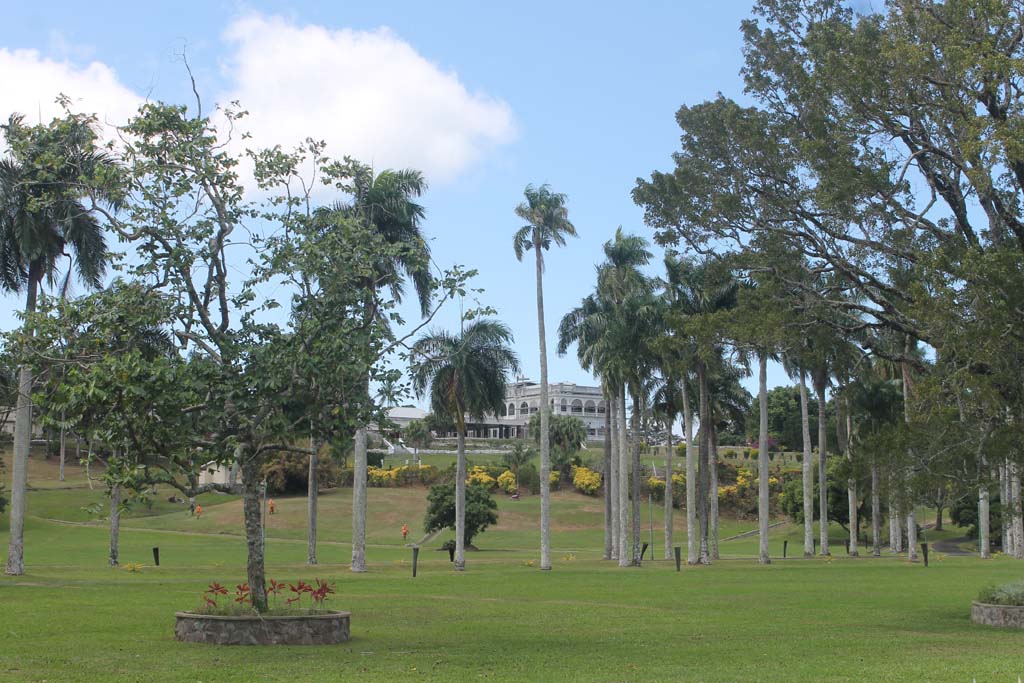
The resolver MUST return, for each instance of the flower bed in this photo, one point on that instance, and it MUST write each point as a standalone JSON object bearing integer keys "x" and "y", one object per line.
{"x": 326, "y": 628}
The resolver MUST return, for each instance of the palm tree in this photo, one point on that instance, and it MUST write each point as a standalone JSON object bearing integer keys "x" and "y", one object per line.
{"x": 516, "y": 458}
{"x": 668, "y": 403}
{"x": 547, "y": 223}
{"x": 701, "y": 291}
{"x": 43, "y": 219}
{"x": 466, "y": 375}
{"x": 385, "y": 204}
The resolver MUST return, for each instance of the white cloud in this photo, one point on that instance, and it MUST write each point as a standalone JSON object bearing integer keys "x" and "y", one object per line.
{"x": 31, "y": 84}
{"x": 370, "y": 95}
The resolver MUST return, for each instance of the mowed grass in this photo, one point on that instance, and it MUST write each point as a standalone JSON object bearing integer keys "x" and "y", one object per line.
{"x": 72, "y": 619}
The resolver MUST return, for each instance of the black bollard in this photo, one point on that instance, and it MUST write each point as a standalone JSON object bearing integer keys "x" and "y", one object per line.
{"x": 785, "y": 547}
{"x": 847, "y": 546}
{"x": 815, "y": 546}
{"x": 642, "y": 551}
{"x": 679, "y": 558}
{"x": 156, "y": 556}
{"x": 924, "y": 551}
{"x": 415, "y": 559}
{"x": 451, "y": 554}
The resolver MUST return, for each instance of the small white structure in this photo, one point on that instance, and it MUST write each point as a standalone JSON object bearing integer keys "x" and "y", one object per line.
{"x": 215, "y": 474}
{"x": 404, "y": 415}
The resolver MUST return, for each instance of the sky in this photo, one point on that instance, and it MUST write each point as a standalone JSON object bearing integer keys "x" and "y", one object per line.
{"x": 484, "y": 98}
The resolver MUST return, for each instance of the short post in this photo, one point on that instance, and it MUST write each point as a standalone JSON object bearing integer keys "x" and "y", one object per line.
{"x": 785, "y": 548}
{"x": 815, "y": 546}
{"x": 451, "y": 554}
{"x": 156, "y": 556}
{"x": 679, "y": 557}
{"x": 924, "y": 551}
{"x": 415, "y": 559}
{"x": 643, "y": 550}
{"x": 847, "y": 546}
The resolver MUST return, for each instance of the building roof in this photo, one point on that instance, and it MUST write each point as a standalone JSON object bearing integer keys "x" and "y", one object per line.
{"x": 406, "y": 413}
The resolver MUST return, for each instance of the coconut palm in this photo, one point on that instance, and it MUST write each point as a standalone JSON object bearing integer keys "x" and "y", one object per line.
{"x": 547, "y": 223}
{"x": 386, "y": 204}
{"x": 465, "y": 376}
{"x": 44, "y": 222}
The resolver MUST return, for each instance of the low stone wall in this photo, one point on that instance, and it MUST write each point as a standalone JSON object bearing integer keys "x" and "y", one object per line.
{"x": 1004, "y": 616}
{"x": 313, "y": 629}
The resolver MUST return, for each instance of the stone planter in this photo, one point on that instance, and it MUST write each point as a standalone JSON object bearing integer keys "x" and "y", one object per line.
{"x": 307, "y": 629}
{"x": 1004, "y": 616}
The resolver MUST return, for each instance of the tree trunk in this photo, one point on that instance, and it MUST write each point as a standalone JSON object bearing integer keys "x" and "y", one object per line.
{"x": 762, "y": 461}
{"x": 312, "y": 501}
{"x": 613, "y": 407}
{"x": 807, "y": 469}
{"x": 359, "y": 503}
{"x": 704, "y": 479}
{"x": 1005, "y": 505}
{"x": 254, "y": 568}
{"x": 609, "y": 536}
{"x": 63, "y": 448}
{"x": 940, "y": 500}
{"x": 624, "y": 554}
{"x": 22, "y": 446}
{"x": 819, "y": 387}
{"x": 691, "y": 482}
{"x": 668, "y": 491}
{"x": 545, "y": 445}
{"x": 984, "y": 544}
{"x": 713, "y": 471}
{"x": 876, "y": 509}
{"x": 115, "y": 524}
{"x": 895, "y": 528}
{"x": 460, "y": 500}
{"x": 844, "y": 436}
{"x": 635, "y": 468}
{"x": 912, "y": 534}
{"x": 1018, "y": 520}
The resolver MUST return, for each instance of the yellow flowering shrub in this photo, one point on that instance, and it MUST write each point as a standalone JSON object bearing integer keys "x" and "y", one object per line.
{"x": 555, "y": 478}
{"x": 406, "y": 475}
{"x": 586, "y": 480}
{"x": 656, "y": 486}
{"x": 479, "y": 475}
{"x": 507, "y": 481}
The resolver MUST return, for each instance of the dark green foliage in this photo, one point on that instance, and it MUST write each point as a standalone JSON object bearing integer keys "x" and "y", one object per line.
{"x": 529, "y": 478}
{"x": 566, "y": 434}
{"x": 481, "y": 510}
{"x": 964, "y": 513}
{"x": 287, "y": 472}
{"x": 1011, "y": 594}
{"x": 792, "y": 502}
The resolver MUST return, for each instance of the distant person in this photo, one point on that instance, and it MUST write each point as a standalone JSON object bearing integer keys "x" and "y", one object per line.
{"x": 199, "y": 511}
{"x": 270, "y": 504}
{"x": 405, "y": 531}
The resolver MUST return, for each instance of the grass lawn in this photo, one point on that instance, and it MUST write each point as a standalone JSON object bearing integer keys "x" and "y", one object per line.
{"x": 72, "y": 619}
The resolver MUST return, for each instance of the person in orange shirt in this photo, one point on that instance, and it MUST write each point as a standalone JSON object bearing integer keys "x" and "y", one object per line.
{"x": 405, "y": 531}
{"x": 199, "y": 511}
{"x": 270, "y": 504}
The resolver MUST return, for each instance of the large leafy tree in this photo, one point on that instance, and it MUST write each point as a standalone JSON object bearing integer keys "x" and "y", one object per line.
{"x": 547, "y": 223}
{"x": 50, "y": 181}
{"x": 465, "y": 375}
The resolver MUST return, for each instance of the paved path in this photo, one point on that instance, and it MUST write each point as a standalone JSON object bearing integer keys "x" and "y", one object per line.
{"x": 951, "y": 546}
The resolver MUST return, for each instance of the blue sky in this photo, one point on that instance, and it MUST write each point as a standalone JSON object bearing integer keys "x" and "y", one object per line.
{"x": 578, "y": 95}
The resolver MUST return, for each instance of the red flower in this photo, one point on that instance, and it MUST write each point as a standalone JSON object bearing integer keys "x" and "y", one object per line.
{"x": 216, "y": 589}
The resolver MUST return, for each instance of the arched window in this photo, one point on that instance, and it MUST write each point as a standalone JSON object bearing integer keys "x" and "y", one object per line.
{"x": 590, "y": 408}
{"x": 524, "y": 408}
{"x": 600, "y": 408}
{"x": 577, "y": 406}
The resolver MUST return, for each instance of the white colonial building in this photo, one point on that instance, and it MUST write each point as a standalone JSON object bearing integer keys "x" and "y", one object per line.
{"x": 522, "y": 400}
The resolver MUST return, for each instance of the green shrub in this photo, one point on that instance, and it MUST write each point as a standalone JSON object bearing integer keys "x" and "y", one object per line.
{"x": 1011, "y": 594}
{"x": 529, "y": 478}
{"x": 481, "y": 510}
{"x": 289, "y": 473}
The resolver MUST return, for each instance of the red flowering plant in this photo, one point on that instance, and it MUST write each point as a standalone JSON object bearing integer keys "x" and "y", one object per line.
{"x": 241, "y": 603}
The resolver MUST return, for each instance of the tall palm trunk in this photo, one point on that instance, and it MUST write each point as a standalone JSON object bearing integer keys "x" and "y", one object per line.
{"x": 613, "y": 471}
{"x": 624, "y": 554}
{"x": 359, "y": 503}
{"x": 115, "y": 524}
{"x": 713, "y": 470}
{"x": 895, "y": 527}
{"x": 312, "y": 501}
{"x": 819, "y": 388}
{"x": 691, "y": 482}
{"x": 1004, "y": 501}
{"x": 635, "y": 469}
{"x": 1018, "y": 520}
{"x": 22, "y": 444}
{"x": 912, "y": 534}
{"x": 668, "y": 491}
{"x": 845, "y": 438}
{"x": 460, "y": 497}
{"x": 911, "y": 514}
{"x": 704, "y": 478}
{"x": 808, "y": 469}
{"x": 63, "y": 448}
{"x": 545, "y": 445}
{"x": 609, "y": 539}
{"x": 876, "y": 509}
{"x": 762, "y": 461}
{"x": 984, "y": 544}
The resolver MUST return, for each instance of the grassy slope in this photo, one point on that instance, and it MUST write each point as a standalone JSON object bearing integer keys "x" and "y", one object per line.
{"x": 71, "y": 619}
